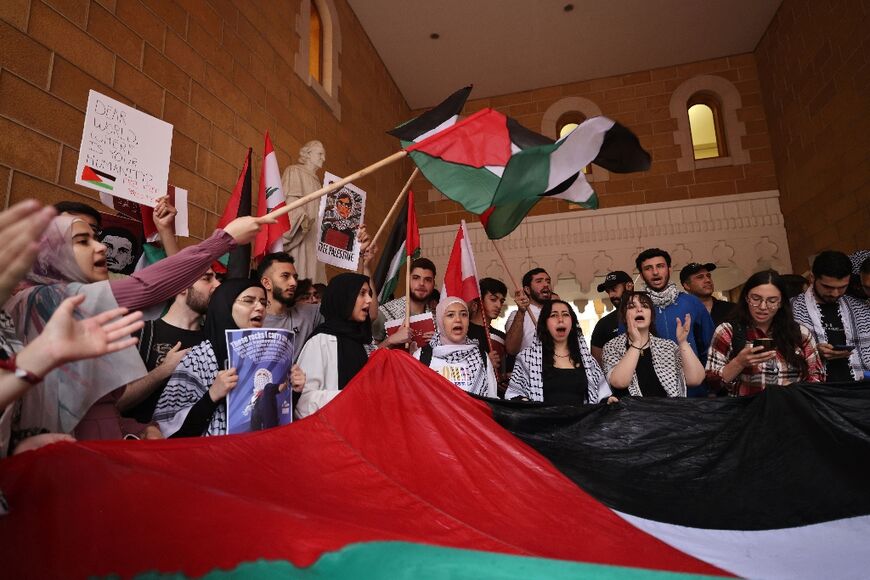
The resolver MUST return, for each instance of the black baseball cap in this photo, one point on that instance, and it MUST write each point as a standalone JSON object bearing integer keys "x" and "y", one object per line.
{"x": 612, "y": 279}
{"x": 694, "y": 268}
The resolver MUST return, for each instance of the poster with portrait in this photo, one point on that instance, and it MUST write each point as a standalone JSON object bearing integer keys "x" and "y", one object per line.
{"x": 124, "y": 152}
{"x": 341, "y": 214}
{"x": 262, "y": 357}
{"x": 123, "y": 238}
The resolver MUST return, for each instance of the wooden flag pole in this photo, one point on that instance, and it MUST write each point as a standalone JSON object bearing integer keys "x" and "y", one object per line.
{"x": 513, "y": 280}
{"x": 396, "y": 205}
{"x": 335, "y": 186}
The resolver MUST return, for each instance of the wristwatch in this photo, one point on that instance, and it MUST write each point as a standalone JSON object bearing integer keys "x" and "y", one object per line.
{"x": 20, "y": 373}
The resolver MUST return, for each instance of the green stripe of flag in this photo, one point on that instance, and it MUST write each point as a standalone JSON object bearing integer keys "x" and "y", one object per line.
{"x": 392, "y": 560}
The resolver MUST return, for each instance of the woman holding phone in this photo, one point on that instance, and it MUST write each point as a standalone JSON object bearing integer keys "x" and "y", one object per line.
{"x": 762, "y": 345}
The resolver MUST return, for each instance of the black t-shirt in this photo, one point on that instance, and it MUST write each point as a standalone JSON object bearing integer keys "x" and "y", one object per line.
{"x": 647, "y": 379}
{"x": 478, "y": 333}
{"x": 565, "y": 386}
{"x": 607, "y": 328}
{"x": 156, "y": 339}
{"x": 836, "y": 369}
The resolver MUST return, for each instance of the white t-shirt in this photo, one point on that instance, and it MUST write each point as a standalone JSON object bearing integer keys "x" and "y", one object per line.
{"x": 530, "y": 329}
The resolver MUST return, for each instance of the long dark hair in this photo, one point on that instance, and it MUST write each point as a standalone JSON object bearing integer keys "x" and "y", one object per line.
{"x": 646, "y": 300}
{"x": 784, "y": 331}
{"x": 547, "y": 344}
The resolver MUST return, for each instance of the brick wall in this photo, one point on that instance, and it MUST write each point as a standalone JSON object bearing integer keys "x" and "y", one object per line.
{"x": 640, "y": 101}
{"x": 219, "y": 70}
{"x": 814, "y": 67}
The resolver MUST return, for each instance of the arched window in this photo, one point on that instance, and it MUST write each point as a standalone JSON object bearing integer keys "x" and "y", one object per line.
{"x": 705, "y": 124}
{"x": 315, "y": 44}
{"x": 708, "y": 132}
{"x": 567, "y": 123}
{"x": 316, "y": 61}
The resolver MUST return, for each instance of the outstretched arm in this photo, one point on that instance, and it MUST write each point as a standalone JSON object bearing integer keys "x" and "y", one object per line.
{"x": 66, "y": 339}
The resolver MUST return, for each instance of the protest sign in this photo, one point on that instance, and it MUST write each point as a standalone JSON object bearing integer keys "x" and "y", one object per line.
{"x": 262, "y": 358}
{"x": 124, "y": 152}
{"x": 341, "y": 214}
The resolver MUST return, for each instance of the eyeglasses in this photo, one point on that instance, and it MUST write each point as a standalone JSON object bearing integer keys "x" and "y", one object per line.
{"x": 344, "y": 203}
{"x": 250, "y": 301}
{"x": 757, "y": 301}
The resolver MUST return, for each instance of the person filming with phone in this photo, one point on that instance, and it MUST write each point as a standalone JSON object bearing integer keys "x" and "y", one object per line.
{"x": 840, "y": 323}
{"x": 762, "y": 345}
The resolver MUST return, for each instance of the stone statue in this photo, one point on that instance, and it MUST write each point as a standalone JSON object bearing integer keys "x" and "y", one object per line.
{"x": 298, "y": 181}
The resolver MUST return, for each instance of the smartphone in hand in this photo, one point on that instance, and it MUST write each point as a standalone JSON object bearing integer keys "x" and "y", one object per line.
{"x": 767, "y": 343}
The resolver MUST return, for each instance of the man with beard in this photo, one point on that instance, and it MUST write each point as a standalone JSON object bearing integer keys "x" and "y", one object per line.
{"x": 277, "y": 273}
{"x": 521, "y": 329}
{"x": 671, "y": 304}
{"x": 839, "y": 323}
{"x": 422, "y": 288}
{"x": 615, "y": 284}
{"x": 163, "y": 343}
{"x": 697, "y": 280}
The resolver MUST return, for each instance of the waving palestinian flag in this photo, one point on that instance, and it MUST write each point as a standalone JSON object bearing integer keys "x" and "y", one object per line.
{"x": 498, "y": 169}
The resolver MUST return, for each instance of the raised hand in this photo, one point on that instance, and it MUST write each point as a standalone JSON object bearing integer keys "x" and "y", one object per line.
{"x": 66, "y": 339}
{"x": 632, "y": 331}
{"x": 225, "y": 382}
{"x": 522, "y": 300}
{"x": 164, "y": 215}
{"x": 21, "y": 226}
{"x": 683, "y": 328}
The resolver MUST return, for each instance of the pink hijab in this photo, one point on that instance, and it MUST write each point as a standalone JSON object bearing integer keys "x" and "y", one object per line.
{"x": 62, "y": 399}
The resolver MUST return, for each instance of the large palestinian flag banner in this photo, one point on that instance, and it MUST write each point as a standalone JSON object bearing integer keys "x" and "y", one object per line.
{"x": 405, "y": 476}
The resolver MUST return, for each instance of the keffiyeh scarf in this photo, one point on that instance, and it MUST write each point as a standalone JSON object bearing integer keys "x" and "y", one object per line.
{"x": 666, "y": 360}
{"x": 664, "y": 298}
{"x": 463, "y": 355}
{"x": 189, "y": 382}
{"x": 527, "y": 378}
{"x": 855, "y": 315}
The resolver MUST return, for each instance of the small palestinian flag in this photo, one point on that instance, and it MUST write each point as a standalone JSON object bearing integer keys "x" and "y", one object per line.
{"x": 402, "y": 244}
{"x": 98, "y": 178}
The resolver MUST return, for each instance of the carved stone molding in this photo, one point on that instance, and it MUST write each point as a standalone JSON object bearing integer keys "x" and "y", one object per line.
{"x": 741, "y": 233}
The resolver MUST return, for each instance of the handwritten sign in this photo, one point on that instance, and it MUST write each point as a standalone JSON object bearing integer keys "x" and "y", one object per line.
{"x": 124, "y": 152}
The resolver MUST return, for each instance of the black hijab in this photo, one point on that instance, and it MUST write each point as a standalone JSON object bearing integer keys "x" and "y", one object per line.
{"x": 337, "y": 306}
{"x": 219, "y": 317}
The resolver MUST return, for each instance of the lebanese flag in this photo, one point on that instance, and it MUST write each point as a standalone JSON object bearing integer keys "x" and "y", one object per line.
{"x": 271, "y": 197}
{"x": 460, "y": 278}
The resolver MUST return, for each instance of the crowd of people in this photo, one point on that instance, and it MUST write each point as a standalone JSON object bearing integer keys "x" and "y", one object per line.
{"x": 77, "y": 360}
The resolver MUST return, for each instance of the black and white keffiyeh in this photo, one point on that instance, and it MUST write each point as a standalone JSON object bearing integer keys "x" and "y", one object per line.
{"x": 666, "y": 360}
{"x": 855, "y": 315}
{"x": 465, "y": 355}
{"x": 527, "y": 378}
{"x": 188, "y": 384}
{"x": 665, "y": 297}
